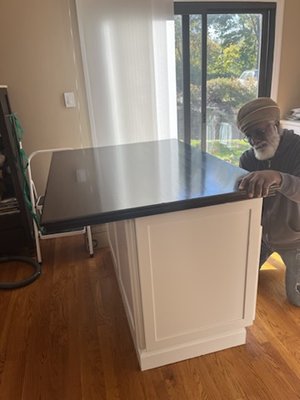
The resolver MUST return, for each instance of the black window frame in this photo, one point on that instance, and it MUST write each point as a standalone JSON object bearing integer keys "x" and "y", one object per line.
{"x": 185, "y": 9}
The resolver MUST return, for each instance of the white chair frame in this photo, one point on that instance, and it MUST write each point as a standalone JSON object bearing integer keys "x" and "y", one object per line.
{"x": 37, "y": 208}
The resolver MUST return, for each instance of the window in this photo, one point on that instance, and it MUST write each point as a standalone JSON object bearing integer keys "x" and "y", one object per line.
{"x": 224, "y": 57}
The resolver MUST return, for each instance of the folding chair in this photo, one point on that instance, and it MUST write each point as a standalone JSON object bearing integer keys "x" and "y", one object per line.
{"x": 37, "y": 201}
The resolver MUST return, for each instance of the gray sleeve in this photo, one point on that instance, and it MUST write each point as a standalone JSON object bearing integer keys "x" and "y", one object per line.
{"x": 245, "y": 161}
{"x": 290, "y": 187}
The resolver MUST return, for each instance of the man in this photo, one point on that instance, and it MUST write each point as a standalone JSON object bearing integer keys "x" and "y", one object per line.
{"x": 274, "y": 161}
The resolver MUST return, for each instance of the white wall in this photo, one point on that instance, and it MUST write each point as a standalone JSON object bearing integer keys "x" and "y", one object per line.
{"x": 39, "y": 61}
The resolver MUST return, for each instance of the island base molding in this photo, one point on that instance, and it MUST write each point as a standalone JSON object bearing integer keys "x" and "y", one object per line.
{"x": 158, "y": 358}
{"x": 188, "y": 279}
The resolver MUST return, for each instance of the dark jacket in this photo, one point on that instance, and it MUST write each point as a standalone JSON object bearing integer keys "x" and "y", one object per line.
{"x": 281, "y": 213}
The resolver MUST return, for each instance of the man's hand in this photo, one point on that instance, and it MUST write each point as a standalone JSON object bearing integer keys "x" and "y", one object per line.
{"x": 258, "y": 183}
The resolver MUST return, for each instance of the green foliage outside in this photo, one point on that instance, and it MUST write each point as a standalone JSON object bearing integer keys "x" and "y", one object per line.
{"x": 230, "y": 154}
{"x": 233, "y": 46}
{"x": 228, "y": 93}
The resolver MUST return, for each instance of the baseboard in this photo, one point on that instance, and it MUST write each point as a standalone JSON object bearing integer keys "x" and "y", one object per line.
{"x": 158, "y": 358}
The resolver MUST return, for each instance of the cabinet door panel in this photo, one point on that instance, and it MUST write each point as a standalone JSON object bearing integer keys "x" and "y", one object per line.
{"x": 198, "y": 271}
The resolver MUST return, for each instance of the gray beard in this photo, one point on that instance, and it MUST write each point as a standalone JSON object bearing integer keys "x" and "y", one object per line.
{"x": 268, "y": 151}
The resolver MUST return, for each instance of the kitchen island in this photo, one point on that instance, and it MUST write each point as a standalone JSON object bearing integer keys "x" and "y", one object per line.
{"x": 185, "y": 241}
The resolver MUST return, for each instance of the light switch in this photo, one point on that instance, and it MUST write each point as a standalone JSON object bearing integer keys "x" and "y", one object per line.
{"x": 69, "y": 99}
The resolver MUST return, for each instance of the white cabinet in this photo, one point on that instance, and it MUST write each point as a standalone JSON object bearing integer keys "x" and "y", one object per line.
{"x": 291, "y": 125}
{"x": 188, "y": 279}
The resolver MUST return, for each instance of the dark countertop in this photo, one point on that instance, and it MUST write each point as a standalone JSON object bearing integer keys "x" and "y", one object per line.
{"x": 97, "y": 185}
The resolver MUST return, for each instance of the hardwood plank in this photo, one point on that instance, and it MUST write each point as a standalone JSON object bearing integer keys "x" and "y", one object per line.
{"x": 65, "y": 337}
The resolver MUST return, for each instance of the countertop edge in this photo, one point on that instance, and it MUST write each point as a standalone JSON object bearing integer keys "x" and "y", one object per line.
{"x": 144, "y": 211}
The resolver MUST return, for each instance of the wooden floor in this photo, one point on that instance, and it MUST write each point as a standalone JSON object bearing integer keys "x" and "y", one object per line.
{"x": 65, "y": 337}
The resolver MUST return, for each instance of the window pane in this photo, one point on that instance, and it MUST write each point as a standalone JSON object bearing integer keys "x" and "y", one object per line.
{"x": 195, "y": 77}
{"x": 229, "y": 59}
{"x": 233, "y": 55}
{"x": 179, "y": 75}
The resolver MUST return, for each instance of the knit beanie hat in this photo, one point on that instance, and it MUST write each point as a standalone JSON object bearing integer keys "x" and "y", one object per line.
{"x": 256, "y": 111}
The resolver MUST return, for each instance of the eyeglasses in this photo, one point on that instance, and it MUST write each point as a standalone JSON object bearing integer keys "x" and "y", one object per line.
{"x": 256, "y": 134}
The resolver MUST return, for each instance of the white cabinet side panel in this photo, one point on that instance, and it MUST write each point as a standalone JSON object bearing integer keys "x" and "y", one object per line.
{"x": 113, "y": 244}
{"x": 122, "y": 241}
{"x": 124, "y": 273}
{"x": 193, "y": 271}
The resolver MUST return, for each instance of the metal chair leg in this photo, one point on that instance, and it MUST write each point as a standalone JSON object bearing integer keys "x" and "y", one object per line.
{"x": 90, "y": 240}
{"x": 37, "y": 243}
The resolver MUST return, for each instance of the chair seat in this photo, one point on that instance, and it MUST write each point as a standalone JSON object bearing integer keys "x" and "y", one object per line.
{"x": 58, "y": 233}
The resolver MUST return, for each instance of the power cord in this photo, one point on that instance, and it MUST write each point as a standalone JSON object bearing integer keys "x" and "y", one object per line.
{"x": 15, "y": 285}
